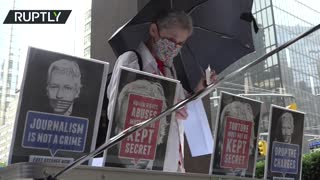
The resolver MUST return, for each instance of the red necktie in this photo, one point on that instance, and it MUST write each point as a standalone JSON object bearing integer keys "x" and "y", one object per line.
{"x": 160, "y": 65}
{"x": 180, "y": 162}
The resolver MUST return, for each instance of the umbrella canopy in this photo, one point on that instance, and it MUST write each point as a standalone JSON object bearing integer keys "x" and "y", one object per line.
{"x": 222, "y": 34}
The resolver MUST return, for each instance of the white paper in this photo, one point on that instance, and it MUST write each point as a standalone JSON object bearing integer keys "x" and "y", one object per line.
{"x": 197, "y": 129}
{"x": 97, "y": 162}
{"x": 208, "y": 75}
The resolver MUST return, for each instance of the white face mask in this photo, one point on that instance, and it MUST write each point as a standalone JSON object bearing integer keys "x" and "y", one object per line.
{"x": 166, "y": 50}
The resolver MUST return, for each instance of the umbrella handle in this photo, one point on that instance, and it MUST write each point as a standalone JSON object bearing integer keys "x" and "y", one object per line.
{"x": 248, "y": 16}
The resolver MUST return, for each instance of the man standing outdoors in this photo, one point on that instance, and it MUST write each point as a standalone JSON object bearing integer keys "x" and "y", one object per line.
{"x": 63, "y": 86}
{"x": 167, "y": 34}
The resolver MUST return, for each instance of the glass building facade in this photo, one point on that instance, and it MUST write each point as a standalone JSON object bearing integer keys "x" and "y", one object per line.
{"x": 10, "y": 52}
{"x": 300, "y": 62}
{"x": 87, "y": 34}
{"x": 290, "y": 76}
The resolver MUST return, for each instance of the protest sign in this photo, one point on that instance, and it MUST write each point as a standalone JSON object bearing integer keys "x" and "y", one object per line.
{"x": 59, "y": 108}
{"x": 141, "y": 96}
{"x": 284, "y": 144}
{"x": 236, "y": 129}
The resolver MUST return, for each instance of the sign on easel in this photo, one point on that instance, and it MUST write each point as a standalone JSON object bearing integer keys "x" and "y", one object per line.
{"x": 59, "y": 108}
{"x": 237, "y": 127}
{"x": 142, "y": 96}
{"x": 284, "y": 144}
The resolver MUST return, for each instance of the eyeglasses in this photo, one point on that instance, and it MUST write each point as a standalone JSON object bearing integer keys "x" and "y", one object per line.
{"x": 177, "y": 44}
{"x": 174, "y": 41}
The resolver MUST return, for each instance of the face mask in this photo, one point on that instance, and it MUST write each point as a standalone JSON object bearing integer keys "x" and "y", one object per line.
{"x": 165, "y": 49}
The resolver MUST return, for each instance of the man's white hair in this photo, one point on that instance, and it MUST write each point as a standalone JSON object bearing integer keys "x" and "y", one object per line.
{"x": 67, "y": 67}
{"x": 287, "y": 117}
{"x": 143, "y": 88}
{"x": 167, "y": 19}
{"x": 238, "y": 110}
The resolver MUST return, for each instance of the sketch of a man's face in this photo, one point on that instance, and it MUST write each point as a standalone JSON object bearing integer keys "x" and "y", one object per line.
{"x": 287, "y": 127}
{"x": 63, "y": 85}
{"x": 239, "y": 110}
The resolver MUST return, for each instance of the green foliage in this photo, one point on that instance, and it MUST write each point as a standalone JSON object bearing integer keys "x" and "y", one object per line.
{"x": 2, "y": 164}
{"x": 310, "y": 167}
{"x": 260, "y": 169}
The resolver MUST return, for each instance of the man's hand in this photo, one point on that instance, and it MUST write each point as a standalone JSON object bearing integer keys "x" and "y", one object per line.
{"x": 181, "y": 114}
{"x": 202, "y": 83}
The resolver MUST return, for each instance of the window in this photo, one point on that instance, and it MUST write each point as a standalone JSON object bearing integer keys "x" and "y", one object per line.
{"x": 88, "y": 15}
{"x": 87, "y": 27}
{"x": 87, "y": 52}
{"x": 87, "y": 40}
{"x": 10, "y": 64}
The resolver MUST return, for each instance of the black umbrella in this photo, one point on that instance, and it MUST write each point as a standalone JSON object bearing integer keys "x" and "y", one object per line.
{"x": 222, "y": 34}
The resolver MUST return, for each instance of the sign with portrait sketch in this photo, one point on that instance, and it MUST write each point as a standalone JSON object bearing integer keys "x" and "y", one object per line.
{"x": 237, "y": 126}
{"x": 141, "y": 96}
{"x": 59, "y": 108}
{"x": 284, "y": 144}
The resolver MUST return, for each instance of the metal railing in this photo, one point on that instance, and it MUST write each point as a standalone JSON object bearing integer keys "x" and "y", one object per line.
{"x": 116, "y": 139}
